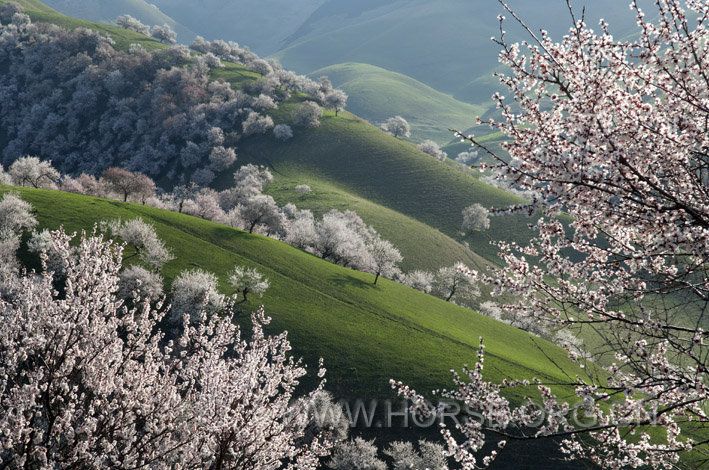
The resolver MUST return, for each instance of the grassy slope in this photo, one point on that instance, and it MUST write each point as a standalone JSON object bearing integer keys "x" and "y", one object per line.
{"x": 387, "y": 330}
{"x": 372, "y": 165}
{"x": 40, "y": 12}
{"x": 444, "y": 44}
{"x": 109, "y": 11}
{"x": 427, "y": 249}
{"x": 377, "y": 93}
{"x": 402, "y": 192}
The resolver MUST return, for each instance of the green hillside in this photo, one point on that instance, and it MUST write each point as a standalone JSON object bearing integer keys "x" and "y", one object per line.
{"x": 444, "y": 44}
{"x": 262, "y": 24}
{"x": 363, "y": 161}
{"x": 377, "y": 94}
{"x": 366, "y": 333}
{"x": 409, "y": 197}
{"x": 428, "y": 249}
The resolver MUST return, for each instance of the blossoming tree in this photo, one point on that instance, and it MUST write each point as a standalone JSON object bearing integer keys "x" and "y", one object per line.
{"x": 88, "y": 382}
{"x": 614, "y": 133}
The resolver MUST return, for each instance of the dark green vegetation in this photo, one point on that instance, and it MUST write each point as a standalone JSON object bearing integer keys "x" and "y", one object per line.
{"x": 367, "y": 334}
{"x": 377, "y": 94}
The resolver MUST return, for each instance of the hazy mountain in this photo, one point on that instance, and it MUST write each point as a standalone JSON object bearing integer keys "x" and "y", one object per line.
{"x": 263, "y": 25}
{"x": 109, "y": 10}
{"x": 444, "y": 43}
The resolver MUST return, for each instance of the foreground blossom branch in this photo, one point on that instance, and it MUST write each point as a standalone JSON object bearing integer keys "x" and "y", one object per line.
{"x": 616, "y": 135}
{"x": 87, "y": 382}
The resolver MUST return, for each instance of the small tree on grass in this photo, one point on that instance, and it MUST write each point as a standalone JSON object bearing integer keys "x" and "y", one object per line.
{"x": 397, "y": 126}
{"x": 308, "y": 114}
{"x": 303, "y": 189}
{"x": 336, "y": 99}
{"x": 133, "y": 24}
{"x": 127, "y": 183}
{"x": 260, "y": 210}
{"x": 457, "y": 283}
{"x": 385, "y": 257}
{"x": 164, "y": 34}
{"x": 475, "y": 218}
{"x": 248, "y": 281}
{"x": 431, "y": 148}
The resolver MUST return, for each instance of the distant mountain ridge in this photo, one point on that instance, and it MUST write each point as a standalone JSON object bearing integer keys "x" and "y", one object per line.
{"x": 262, "y": 24}
{"x": 444, "y": 44}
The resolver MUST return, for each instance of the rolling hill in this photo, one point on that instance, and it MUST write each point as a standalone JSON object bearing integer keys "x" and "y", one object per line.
{"x": 377, "y": 94}
{"x": 367, "y": 334}
{"x": 262, "y": 24}
{"x": 108, "y": 11}
{"x": 361, "y": 160}
{"x": 404, "y": 193}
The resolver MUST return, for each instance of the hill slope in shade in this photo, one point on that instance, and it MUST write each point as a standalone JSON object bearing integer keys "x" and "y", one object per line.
{"x": 367, "y": 334}
{"x": 109, "y": 10}
{"x": 377, "y": 94}
{"x": 372, "y": 165}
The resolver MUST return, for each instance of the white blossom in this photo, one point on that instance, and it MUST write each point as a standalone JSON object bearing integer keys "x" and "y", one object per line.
{"x": 248, "y": 281}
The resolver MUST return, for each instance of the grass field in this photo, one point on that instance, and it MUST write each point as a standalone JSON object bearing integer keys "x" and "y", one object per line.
{"x": 377, "y": 94}
{"x": 366, "y": 333}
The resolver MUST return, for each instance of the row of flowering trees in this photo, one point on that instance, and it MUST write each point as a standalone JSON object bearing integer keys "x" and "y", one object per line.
{"x": 340, "y": 237}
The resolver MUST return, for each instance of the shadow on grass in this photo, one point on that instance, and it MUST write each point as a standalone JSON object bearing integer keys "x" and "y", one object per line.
{"x": 350, "y": 281}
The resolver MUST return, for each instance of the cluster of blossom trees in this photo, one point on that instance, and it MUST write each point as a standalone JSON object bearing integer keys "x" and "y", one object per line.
{"x": 457, "y": 283}
{"x": 614, "y": 133}
{"x": 155, "y": 112}
{"x": 91, "y": 381}
{"x": 91, "y": 377}
{"x": 340, "y": 237}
